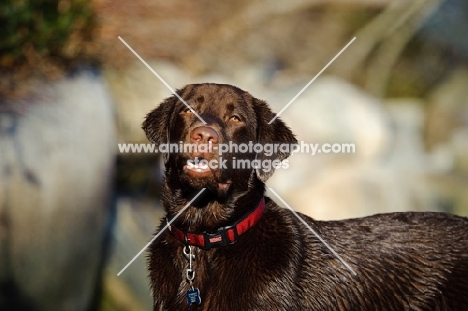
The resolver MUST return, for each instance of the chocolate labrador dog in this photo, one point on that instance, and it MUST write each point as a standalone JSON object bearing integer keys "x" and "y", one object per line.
{"x": 228, "y": 247}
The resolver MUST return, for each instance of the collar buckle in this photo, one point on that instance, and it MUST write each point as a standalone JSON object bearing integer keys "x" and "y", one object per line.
{"x": 222, "y": 237}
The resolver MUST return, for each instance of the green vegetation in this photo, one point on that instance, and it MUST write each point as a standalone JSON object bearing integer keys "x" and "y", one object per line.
{"x": 43, "y": 38}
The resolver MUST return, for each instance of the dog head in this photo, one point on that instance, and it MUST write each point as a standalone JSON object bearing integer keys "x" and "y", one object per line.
{"x": 233, "y": 117}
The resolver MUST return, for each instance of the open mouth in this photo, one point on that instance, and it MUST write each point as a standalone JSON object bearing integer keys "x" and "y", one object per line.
{"x": 198, "y": 167}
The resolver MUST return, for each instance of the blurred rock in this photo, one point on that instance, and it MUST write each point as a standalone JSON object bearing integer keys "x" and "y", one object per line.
{"x": 407, "y": 147}
{"x": 332, "y": 110}
{"x": 136, "y": 224}
{"x": 446, "y": 138}
{"x": 448, "y": 109}
{"x": 387, "y": 172}
{"x": 137, "y": 91}
{"x": 451, "y": 186}
{"x": 350, "y": 192}
{"x": 56, "y": 164}
{"x": 460, "y": 148}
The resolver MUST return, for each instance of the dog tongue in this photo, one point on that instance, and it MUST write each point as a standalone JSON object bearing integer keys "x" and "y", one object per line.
{"x": 223, "y": 186}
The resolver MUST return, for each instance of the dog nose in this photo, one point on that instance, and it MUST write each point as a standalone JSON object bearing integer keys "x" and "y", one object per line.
{"x": 204, "y": 134}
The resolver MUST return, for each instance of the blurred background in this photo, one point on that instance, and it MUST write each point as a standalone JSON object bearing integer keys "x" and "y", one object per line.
{"x": 74, "y": 212}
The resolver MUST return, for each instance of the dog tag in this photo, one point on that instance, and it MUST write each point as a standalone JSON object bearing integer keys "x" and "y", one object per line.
{"x": 193, "y": 296}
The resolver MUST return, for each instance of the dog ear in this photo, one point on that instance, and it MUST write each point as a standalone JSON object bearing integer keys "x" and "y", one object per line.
{"x": 156, "y": 124}
{"x": 275, "y": 133}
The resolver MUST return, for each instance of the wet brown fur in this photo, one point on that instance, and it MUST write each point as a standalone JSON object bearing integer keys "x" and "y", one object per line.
{"x": 404, "y": 261}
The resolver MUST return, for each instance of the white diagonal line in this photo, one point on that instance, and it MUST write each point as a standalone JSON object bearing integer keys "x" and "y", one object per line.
{"x": 310, "y": 82}
{"x": 316, "y": 234}
{"x": 161, "y": 79}
{"x": 161, "y": 231}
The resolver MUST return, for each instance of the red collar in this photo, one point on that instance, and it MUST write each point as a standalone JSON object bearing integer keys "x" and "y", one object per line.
{"x": 224, "y": 235}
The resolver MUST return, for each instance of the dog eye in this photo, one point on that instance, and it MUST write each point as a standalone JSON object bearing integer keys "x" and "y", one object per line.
{"x": 235, "y": 118}
{"x": 187, "y": 111}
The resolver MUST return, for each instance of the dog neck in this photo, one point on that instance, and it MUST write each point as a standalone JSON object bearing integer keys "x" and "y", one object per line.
{"x": 223, "y": 236}
{"x": 210, "y": 210}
